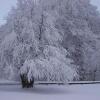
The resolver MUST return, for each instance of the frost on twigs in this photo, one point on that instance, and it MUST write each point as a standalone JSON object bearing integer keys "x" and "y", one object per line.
{"x": 51, "y": 66}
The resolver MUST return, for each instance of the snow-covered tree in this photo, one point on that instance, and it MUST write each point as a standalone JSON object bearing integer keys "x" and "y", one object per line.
{"x": 52, "y": 65}
{"x": 77, "y": 20}
{"x": 42, "y": 37}
{"x": 33, "y": 48}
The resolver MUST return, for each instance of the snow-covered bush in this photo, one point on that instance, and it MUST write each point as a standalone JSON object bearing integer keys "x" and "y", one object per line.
{"x": 6, "y": 56}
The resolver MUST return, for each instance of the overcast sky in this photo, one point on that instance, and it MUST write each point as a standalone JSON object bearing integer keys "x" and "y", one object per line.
{"x": 5, "y": 6}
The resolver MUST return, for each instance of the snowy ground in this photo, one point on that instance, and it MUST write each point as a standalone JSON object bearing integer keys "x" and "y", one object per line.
{"x": 51, "y": 92}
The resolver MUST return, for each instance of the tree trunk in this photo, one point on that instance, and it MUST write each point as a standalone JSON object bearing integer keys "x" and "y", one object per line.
{"x": 25, "y": 82}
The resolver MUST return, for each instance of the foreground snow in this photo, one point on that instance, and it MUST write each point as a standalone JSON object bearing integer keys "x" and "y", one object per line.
{"x": 54, "y": 92}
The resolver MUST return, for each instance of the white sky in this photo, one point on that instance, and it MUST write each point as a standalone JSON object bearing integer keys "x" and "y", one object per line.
{"x": 5, "y": 6}
{"x": 97, "y": 3}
